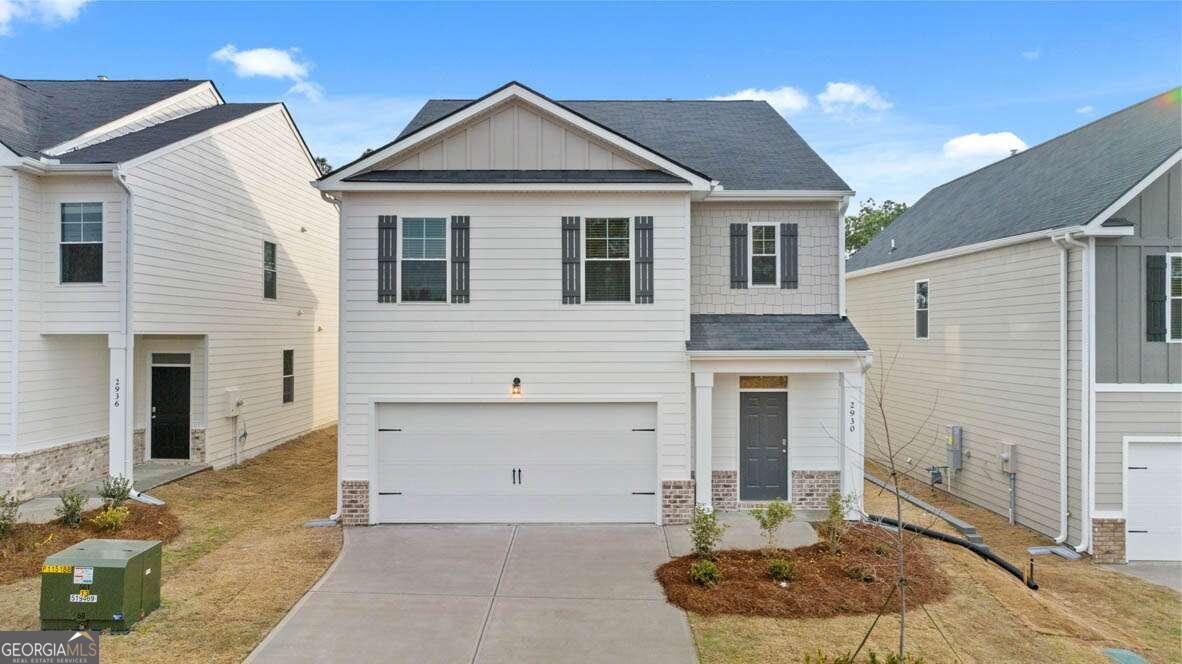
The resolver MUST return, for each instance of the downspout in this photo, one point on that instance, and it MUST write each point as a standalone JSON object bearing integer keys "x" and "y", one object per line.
{"x": 338, "y": 202}
{"x": 16, "y": 310}
{"x": 1063, "y": 508}
{"x": 1085, "y": 493}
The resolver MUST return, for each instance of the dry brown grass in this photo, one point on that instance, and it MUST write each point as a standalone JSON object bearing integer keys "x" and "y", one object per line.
{"x": 1079, "y": 610}
{"x": 242, "y": 560}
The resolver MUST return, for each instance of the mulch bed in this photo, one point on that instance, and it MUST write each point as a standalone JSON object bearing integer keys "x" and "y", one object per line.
{"x": 24, "y": 549}
{"x": 822, "y": 586}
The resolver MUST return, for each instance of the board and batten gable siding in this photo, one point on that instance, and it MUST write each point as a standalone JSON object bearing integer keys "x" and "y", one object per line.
{"x": 1120, "y": 414}
{"x": 201, "y": 214}
{"x": 1123, "y": 355}
{"x": 190, "y": 101}
{"x": 819, "y": 249}
{"x": 8, "y": 205}
{"x": 513, "y": 137}
{"x": 515, "y": 324}
{"x": 991, "y": 365}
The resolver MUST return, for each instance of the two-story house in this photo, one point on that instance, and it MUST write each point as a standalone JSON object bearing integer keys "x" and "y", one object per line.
{"x": 592, "y": 311}
{"x": 1036, "y": 306}
{"x": 167, "y": 280}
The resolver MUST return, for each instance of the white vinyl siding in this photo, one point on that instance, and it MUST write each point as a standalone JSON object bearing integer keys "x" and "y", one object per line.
{"x": 194, "y": 347}
{"x": 8, "y": 203}
{"x": 1120, "y": 414}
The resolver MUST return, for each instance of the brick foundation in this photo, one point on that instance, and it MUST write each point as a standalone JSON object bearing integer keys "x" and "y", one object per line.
{"x": 811, "y": 488}
{"x": 197, "y": 446}
{"x": 1108, "y": 540}
{"x": 724, "y": 490}
{"x": 138, "y": 441}
{"x": 42, "y": 472}
{"x": 354, "y": 503}
{"x": 677, "y": 501}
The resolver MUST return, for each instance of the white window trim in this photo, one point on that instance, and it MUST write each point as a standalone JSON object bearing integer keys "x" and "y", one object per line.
{"x": 583, "y": 258}
{"x": 1170, "y": 258}
{"x": 446, "y": 260}
{"x": 915, "y": 308}
{"x": 751, "y": 253}
{"x": 61, "y": 241}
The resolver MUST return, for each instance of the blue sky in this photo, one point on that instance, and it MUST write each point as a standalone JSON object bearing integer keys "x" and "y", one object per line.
{"x": 897, "y": 97}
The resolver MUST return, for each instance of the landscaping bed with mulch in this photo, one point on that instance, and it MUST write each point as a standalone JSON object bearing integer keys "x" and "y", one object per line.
{"x": 24, "y": 549}
{"x": 855, "y": 581}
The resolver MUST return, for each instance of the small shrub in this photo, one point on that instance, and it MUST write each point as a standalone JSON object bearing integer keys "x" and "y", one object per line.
{"x": 70, "y": 511}
{"x": 834, "y": 527}
{"x": 883, "y": 551}
{"x": 705, "y": 573}
{"x": 111, "y": 518}
{"x": 863, "y": 573}
{"x": 706, "y": 532}
{"x": 781, "y": 569}
{"x": 770, "y": 519}
{"x": 8, "y": 508}
{"x": 871, "y": 657}
{"x": 893, "y": 658}
{"x": 114, "y": 490}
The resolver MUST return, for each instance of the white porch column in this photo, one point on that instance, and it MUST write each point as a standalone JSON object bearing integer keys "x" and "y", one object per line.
{"x": 703, "y": 428}
{"x": 119, "y": 402}
{"x": 853, "y": 398}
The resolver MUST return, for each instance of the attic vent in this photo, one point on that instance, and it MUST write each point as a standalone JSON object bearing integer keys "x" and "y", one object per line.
{"x": 892, "y": 244}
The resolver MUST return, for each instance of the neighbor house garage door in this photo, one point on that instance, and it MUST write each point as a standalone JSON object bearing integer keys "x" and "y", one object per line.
{"x": 517, "y": 462}
{"x": 1154, "y": 519}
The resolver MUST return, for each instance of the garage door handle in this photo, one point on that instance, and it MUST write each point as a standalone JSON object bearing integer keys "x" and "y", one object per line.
{"x": 1138, "y": 467}
{"x": 1139, "y": 531}
{"x": 644, "y": 493}
{"x": 644, "y": 429}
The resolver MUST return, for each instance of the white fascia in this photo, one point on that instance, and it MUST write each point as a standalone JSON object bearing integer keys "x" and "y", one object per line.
{"x": 776, "y": 195}
{"x": 1095, "y": 227}
{"x": 502, "y": 186}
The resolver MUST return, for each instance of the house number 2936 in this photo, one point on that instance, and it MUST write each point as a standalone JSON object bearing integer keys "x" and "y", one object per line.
{"x": 853, "y": 411}
{"x": 115, "y": 392}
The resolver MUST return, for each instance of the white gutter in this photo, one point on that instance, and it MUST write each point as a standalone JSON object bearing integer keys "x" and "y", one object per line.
{"x": 1063, "y": 499}
{"x": 1085, "y": 493}
{"x": 793, "y": 354}
{"x": 755, "y": 195}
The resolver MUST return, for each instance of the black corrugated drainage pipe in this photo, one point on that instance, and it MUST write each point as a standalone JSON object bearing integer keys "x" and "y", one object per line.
{"x": 979, "y": 549}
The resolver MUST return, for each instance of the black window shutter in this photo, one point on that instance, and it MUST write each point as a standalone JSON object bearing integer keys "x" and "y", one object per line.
{"x": 789, "y": 256}
{"x": 387, "y": 258}
{"x": 459, "y": 259}
{"x": 571, "y": 288}
{"x": 738, "y": 255}
{"x": 1155, "y": 298}
{"x": 644, "y": 260}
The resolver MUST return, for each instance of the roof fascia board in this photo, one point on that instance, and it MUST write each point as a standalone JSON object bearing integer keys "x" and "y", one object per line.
{"x": 77, "y": 141}
{"x": 1092, "y": 227}
{"x": 40, "y": 167}
{"x": 511, "y": 91}
{"x": 189, "y": 140}
{"x": 770, "y": 195}
{"x": 295, "y": 129}
{"x": 963, "y": 250}
{"x": 757, "y": 354}
{"x": 504, "y": 186}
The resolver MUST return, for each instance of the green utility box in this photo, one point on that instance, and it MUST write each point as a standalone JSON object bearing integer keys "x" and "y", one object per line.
{"x": 100, "y": 584}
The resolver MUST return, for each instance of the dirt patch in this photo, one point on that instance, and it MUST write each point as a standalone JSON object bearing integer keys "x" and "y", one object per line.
{"x": 23, "y": 550}
{"x": 855, "y": 582}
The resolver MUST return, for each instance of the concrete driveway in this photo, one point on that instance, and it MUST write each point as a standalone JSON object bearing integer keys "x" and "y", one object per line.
{"x": 488, "y": 594}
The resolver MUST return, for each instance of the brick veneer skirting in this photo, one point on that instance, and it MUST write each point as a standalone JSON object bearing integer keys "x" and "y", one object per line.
{"x": 811, "y": 488}
{"x": 677, "y": 501}
{"x": 724, "y": 490}
{"x": 41, "y": 472}
{"x": 354, "y": 502}
{"x": 1108, "y": 540}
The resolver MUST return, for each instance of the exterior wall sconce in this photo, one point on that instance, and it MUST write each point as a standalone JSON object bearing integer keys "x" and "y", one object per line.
{"x": 516, "y": 389}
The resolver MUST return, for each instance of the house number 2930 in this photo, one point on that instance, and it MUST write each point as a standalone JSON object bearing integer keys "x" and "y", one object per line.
{"x": 853, "y": 411}
{"x": 115, "y": 392}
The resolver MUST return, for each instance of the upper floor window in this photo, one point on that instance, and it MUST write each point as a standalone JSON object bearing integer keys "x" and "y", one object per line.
{"x": 608, "y": 268}
{"x": 82, "y": 243}
{"x": 270, "y": 272}
{"x": 424, "y": 260}
{"x": 288, "y": 376}
{"x": 921, "y": 309}
{"x": 1174, "y": 297}
{"x": 763, "y": 255}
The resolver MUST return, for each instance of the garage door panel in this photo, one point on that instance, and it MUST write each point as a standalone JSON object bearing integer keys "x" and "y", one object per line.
{"x": 501, "y": 508}
{"x": 1154, "y": 511}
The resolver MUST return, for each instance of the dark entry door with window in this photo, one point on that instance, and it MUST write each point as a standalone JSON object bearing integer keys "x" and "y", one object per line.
{"x": 763, "y": 445}
{"x": 170, "y": 412}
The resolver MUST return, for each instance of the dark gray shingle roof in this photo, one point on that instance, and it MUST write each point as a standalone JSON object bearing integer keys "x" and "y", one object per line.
{"x": 36, "y": 115}
{"x": 742, "y": 144}
{"x": 518, "y": 177}
{"x": 1065, "y": 181}
{"x": 137, "y": 143}
{"x": 743, "y": 332}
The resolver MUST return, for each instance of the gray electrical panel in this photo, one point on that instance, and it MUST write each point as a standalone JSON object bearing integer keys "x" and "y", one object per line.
{"x": 1009, "y": 458}
{"x": 955, "y": 447}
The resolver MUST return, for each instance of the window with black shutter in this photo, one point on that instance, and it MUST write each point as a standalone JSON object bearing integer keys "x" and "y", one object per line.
{"x": 387, "y": 258}
{"x": 1155, "y": 298}
{"x": 738, "y": 255}
{"x": 644, "y": 260}
{"x": 460, "y": 250}
{"x": 81, "y": 243}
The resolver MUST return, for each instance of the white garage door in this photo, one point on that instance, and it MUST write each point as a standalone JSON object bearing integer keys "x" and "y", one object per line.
{"x": 1154, "y": 520}
{"x": 517, "y": 463}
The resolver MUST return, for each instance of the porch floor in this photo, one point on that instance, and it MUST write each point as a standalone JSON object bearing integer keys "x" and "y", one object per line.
{"x": 148, "y": 475}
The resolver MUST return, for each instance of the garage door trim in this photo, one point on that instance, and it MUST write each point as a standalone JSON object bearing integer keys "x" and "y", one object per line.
{"x": 1123, "y": 514}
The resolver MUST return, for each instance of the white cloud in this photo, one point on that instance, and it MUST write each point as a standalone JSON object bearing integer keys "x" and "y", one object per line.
{"x": 271, "y": 63}
{"x": 48, "y": 12}
{"x": 983, "y": 146}
{"x": 312, "y": 91}
{"x": 786, "y": 100}
{"x": 844, "y": 96}
{"x": 1032, "y": 55}
{"x": 1086, "y": 110}
{"x": 341, "y": 128}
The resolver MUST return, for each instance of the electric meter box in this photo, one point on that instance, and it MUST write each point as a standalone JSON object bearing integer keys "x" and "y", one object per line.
{"x": 955, "y": 447}
{"x": 100, "y": 584}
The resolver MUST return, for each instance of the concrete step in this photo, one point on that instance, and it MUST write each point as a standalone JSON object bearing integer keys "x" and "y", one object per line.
{"x": 148, "y": 475}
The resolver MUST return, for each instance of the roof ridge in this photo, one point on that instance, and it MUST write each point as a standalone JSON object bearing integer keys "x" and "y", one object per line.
{"x": 111, "y": 80}
{"x": 635, "y": 101}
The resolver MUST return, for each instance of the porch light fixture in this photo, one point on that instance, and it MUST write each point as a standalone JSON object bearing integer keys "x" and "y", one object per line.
{"x": 516, "y": 389}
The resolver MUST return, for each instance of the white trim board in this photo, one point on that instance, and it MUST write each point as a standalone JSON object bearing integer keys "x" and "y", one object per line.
{"x": 965, "y": 249}
{"x": 1175, "y": 388}
{"x": 1133, "y": 192}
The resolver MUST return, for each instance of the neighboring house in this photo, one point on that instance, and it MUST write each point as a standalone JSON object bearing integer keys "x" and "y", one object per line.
{"x": 110, "y": 357}
{"x": 1037, "y": 302}
{"x": 571, "y": 311}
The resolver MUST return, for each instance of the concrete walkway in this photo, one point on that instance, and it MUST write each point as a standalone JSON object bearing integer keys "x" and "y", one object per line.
{"x": 1167, "y": 574}
{"x": 148, "y": 475}
{"x": 743, "y": 533}
{"x": 488, "y": 594}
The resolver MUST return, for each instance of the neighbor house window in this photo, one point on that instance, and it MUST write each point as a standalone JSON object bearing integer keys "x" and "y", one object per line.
{"x": 82, "y": 243}
{"x": 1174, "y": 298}
{"x": 763, "y": 255}
{"x": 424, "y": 260}
{"x": 270, "y": 274}
{"x": 288, "y": 376}
{"x": 921, "y": 309}
{"x": 608, "y": 267}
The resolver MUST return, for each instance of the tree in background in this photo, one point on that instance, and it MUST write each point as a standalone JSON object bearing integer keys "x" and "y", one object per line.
{"x": 323, "y": 165}
{"x": 871, "y": 219}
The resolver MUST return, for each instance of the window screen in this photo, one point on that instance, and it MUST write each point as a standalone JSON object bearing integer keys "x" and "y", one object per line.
{"x": 608, "y": 267}
{"x": 763, "y": 255}
{"x": 82, "y": 243}
{"x": 424, "y": 260}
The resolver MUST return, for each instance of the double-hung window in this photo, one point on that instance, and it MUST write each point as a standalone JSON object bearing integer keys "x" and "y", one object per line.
{"x": 921, "y": 309}
{"x": 270, "y": 272}
{"x": 82, "y": 243}
{"x": 288, "y": 376}
{"x": 763, "y": 255}
{"x": 1174, "y": 298}
{"x": 608, "y": 264}
{"x": 424, "y": 260}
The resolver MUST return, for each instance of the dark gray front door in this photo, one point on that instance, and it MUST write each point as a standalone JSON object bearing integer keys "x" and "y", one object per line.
{"x": 763, "y": 446}
{"x": 170, "y": 412}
